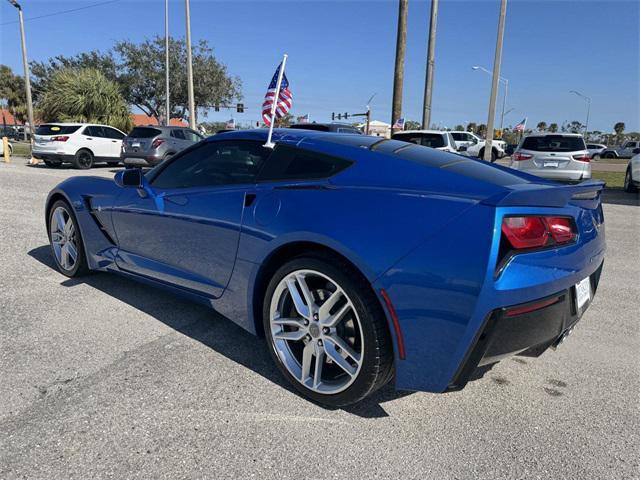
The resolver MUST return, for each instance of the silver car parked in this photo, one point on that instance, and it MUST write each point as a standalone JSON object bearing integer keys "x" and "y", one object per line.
{"x": 554, "y": 156}
{"x": 150, "y": 145}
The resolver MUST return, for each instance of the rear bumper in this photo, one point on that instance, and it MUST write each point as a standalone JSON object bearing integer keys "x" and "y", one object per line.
{"x": 528, "y": 334}
{"x": 52, "y": 156}
{"x": 140, "y": 160}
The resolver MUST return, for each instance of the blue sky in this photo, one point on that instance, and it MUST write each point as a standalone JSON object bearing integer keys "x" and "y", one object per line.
{"x": 342, "y": 52}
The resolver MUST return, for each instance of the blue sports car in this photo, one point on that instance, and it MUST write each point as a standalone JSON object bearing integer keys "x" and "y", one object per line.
{"x": 359, "y": 259}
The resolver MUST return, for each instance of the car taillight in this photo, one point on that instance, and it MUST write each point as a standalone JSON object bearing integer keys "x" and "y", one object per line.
{"x": 518, "y": 157}
{"x": 60, "y": 138}
{"x": 157, "y": 142}
{"x": 582, "y": 157}
{"x": 538, "y": 231}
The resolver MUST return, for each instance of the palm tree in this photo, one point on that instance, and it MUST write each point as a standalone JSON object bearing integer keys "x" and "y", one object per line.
{"x": 542, "y": 126}
{"x": 619, "y": 128}
{"x": 84, "y": 95}
{"x": 553, "y": 127}
{"x": 471, "y": 127}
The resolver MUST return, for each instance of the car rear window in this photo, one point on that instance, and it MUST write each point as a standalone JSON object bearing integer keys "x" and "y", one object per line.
{"x": 433, "y": 140}
{"x": 291, "y": 163}
{"x": 51, "y": 129}
{"x": 144, "y": 132}
{"x": 311, "y": 126}
{"x": 554, "y": 143}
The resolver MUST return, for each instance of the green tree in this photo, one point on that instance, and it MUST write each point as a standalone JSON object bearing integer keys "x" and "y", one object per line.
{"x": 84, "y": 95}
{"x": 458, "y": 128}
{"x": 142, "y": 76}
{"x": 12, "y": 93}
{"x": 553, "y": 127}
{"x": 575, "y": 126}
{"x": 619, "y": 128}
{"x": 472, "y": 127}
{"x": 542, "y": 126}
{"x": 481, "y": 129}
{"x": 412, "y": 125}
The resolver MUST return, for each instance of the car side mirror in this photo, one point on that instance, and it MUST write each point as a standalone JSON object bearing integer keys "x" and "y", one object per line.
{"x": 131, "y": 177}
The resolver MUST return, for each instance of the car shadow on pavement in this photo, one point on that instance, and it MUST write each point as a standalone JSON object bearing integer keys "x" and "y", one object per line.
{"x": 201, "y": 324}
{"x": 618, "y": 196}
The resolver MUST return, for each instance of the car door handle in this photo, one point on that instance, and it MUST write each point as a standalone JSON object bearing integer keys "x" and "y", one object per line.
{"x": 113, "y": 141}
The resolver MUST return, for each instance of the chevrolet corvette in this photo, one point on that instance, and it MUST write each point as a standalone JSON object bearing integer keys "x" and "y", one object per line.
{"x": 360, "y": 260}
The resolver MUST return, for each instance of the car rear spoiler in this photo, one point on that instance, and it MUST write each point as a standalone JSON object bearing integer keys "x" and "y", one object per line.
{"x": 545, "y": 195}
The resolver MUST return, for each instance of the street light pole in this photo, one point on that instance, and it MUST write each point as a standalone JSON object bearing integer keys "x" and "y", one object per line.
{"x": 27, "y": 76}
{"x": 192, "y": 108}
{"x": 588, "y": 100}
{"x": 494, "y": 83}
{"x": 506, "y": 91}
{"x": 431, "y": 65}
{"x": 167, "y": 118}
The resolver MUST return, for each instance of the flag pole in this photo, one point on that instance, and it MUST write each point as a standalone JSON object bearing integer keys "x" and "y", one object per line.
{"x": 274, "y": 105}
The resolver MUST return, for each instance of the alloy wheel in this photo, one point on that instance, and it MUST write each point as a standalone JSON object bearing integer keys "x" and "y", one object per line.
{"x": 63, "y": 238}
{"x": 316, "y": 332}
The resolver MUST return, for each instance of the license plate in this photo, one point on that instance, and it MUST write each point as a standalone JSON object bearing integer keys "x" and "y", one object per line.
{"x": 551, "y": 164}
{"x": 583, "y": 292}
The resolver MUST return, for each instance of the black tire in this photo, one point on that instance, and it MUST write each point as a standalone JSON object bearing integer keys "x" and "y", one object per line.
{"x": 377, "y": 362}
{"x": 113, "y": 164}
{"x": 83, "y": 159}
{"x": 609, "y": 155}
{"x": 52, "y": 164}
{"x": 628, "y": 182}
{"x": 80, "y": 267}
{"x": 494, "y": 155}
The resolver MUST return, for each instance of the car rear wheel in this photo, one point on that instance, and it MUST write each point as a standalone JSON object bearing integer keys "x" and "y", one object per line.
{"x": 326, "y": 331}
{"x": 628, "y": 182}
{"x": 66, "y": 241}
{"x": 609, "y": 155}
{"x": 83, "y": 160}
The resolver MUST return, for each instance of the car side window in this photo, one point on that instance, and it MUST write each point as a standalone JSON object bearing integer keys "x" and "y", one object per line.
{"x": 192, "y": 136}
{"x": 213, "y": 163}
{"x": 177, "y": 134}
{"x": 113, "y": 133}
{"x": 91, "y": 131}
{"x": 290, "y": 163}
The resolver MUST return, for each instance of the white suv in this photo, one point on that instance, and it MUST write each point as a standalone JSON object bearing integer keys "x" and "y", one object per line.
{"x": 81, "y": 144}
{"x": 473, "y": 146}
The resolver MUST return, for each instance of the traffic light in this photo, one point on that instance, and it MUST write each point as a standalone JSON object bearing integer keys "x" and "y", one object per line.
{"x": 333, "y": 116}
{"x": 216, "y": 107}
{"x": 339, "y": 116}
{"x": 346, "y": 115}
{"x": 240, "y": 108}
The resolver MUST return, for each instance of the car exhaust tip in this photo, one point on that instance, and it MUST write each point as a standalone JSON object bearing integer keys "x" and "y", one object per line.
{"x": 562, "y": 338}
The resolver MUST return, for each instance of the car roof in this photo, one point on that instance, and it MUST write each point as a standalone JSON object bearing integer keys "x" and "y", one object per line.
{"x": 547, "y": 134}
{"x": 442, "y": 132}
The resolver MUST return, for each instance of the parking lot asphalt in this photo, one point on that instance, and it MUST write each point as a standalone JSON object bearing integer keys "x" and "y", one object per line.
{"x": 104, "y": 378}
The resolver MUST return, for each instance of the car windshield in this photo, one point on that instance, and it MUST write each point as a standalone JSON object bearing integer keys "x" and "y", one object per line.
{"x": 553, "y": 143}
{"x": 51, "y": 129}
{"x": 144, "y": 132}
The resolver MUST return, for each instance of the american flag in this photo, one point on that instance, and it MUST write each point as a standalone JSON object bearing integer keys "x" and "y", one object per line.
{"x": 399, "y": 123}
{"x": 285, "y": 98}
{"x": 521, "y": 126}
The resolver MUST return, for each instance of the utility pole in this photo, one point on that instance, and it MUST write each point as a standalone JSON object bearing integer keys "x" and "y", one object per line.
{"x": 398, "y": 74}
{"x": 494, "y": 82}
{"x": 431, "y": 65}
{"x": 27, "y": 76}
{"x": 192, "y": 108}
{"x": 166, "y": 62}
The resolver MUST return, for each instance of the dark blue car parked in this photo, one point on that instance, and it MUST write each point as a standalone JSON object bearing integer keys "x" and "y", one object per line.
{"x": 359, "y": 259}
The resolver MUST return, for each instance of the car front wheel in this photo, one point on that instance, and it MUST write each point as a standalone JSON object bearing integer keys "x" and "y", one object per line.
{"x": 66, "y": 241}
{"x": 628, "y": 182}
{"x": 326, "y": 330}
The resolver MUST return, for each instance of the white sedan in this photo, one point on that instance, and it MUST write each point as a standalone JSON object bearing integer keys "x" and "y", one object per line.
{"x": 632, "y": 177}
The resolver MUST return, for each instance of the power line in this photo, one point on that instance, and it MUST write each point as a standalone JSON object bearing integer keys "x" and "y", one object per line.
{"x": 63, "y": 12}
